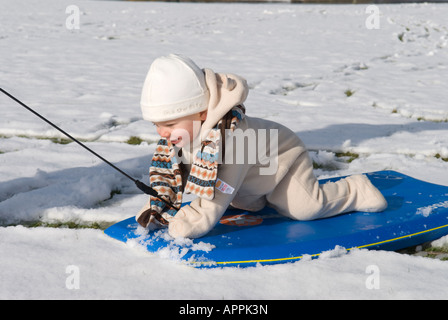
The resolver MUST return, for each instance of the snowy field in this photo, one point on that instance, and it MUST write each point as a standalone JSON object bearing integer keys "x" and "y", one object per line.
{"x": 342, "y": 87}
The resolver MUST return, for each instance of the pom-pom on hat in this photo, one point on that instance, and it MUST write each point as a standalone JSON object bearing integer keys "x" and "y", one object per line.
{"x": 174, "y": 88}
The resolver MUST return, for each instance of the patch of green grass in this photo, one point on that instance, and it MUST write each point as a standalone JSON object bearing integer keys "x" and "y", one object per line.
{"x": 134, "y": 140}
{"x": 437, "y": 253}
{"x": 52, "y": 139}
{"x": 432, "y": 120}
{"x": 438, "y": 156}
{"x": 349, "y": 156}
{"x": 335, "y": 164}
{"x": 437, "y": 249}
{"x": 349, "y": 92}
{"x": 326, "y": 166}
{"x": 68, "y": 225}
{"x": 60, "y": 140}
{"x": 114, "y": 192}
{"x": 427, "y": 251}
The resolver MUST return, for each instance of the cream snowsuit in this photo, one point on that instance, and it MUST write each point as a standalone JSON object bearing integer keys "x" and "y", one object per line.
{"x": 290, "y": 185}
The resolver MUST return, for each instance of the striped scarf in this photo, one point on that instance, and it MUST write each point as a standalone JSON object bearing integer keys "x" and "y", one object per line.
{"x": 166, "y": 177}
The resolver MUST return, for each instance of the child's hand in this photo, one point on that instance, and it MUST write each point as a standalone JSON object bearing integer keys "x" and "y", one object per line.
{"x": 188, "y": 223}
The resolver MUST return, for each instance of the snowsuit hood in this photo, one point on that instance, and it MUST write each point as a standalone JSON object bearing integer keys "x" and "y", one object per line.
{"x": 226, "y": 91}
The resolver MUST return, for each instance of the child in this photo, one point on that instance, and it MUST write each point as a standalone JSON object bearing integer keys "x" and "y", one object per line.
{"x": 197, "y": 113}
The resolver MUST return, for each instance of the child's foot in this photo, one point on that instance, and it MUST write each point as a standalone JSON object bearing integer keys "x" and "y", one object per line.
{"x": 369, "y": 198}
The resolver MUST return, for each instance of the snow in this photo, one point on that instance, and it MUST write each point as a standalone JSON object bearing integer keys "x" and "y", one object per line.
{"x": 302, "y": 62}
{"x": 426, "y": 211}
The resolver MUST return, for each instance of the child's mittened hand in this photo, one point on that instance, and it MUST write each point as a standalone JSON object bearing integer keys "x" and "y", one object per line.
{"x": 191, "y": 225}
{"x": 177, "y": 227}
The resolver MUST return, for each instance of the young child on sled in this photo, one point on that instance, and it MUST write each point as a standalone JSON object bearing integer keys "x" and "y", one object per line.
{"x": 199, "y": 114}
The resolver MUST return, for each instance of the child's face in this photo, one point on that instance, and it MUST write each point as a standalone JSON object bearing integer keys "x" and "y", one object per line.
{"x": 183, "y": 130}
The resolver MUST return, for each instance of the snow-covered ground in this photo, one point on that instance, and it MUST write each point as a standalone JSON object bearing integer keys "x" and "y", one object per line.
{"x": 342, "y": 87}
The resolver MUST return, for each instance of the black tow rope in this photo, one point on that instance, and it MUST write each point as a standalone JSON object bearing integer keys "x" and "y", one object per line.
{"x": 143, "y": 187}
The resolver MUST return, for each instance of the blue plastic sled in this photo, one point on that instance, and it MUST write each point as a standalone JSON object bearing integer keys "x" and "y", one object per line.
{"x": 417, "y": 213}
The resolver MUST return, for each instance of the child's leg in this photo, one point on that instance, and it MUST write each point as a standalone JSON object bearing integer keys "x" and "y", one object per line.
{"x": 300, "y": 196}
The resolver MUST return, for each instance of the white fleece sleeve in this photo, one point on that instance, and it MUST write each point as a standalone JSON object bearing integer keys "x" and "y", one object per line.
{"x": 198, "y": 218}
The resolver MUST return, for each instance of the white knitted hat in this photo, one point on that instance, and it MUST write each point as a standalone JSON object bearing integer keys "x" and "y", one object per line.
{"x": 174, "y": 87}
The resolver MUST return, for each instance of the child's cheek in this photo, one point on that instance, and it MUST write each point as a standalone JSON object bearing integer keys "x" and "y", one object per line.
{"x": 183, "y": 134}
